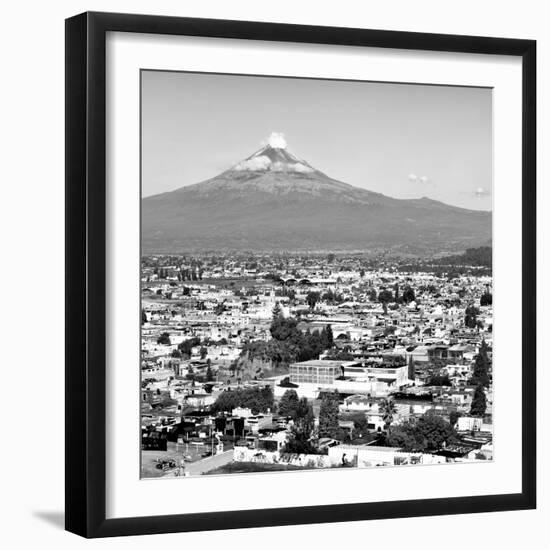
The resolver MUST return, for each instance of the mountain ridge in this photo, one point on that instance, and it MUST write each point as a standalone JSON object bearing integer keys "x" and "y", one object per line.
{"x": 272, "y": 200}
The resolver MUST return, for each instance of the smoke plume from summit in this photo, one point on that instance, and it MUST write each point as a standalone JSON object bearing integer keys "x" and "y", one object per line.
{"x": 276, "y": 140}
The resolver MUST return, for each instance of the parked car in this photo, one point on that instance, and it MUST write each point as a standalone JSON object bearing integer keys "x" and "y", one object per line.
{"x": 165, "y": 464}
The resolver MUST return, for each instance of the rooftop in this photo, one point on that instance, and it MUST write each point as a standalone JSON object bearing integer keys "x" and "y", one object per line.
{"x": 324, "y": 363}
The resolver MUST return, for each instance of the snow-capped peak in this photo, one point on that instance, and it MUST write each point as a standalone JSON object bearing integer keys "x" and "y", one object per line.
{"x": 273, "y": 157}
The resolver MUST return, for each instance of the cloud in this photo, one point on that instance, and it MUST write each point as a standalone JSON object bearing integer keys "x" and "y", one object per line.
{"x": 413, "y": 178}
{"x": 256, "y": 163}
{"x": 291, "y": 167}
{"x": 276, "y": 140}
{"x": 482, "y": 192}
{"x": 299, "y": 167}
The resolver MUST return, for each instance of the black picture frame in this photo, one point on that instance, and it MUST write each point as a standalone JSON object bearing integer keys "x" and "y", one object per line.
{"x": 86, "y": 284}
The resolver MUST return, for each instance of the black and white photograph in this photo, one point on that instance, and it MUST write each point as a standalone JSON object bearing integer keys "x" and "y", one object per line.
{"x": 316, "y": 274}
{"x": 274, "y": 274}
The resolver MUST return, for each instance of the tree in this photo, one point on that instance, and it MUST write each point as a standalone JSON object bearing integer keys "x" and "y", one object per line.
{"x": 470, "y": 316}
{"x": 288, "y": 405}
{"x": 304, "y": 412}
{"x": 209, "y": 374}
{"x": 440, "y": 380}
{"x": 299, "y": 444}
{"x": 267, "y": 399}
{"x": 220, "y": 308}
{"x": 328, "y": 415}
{"x": 308, "y": 345}
{"x": 332, "y": 297}
{"x": 388, "y": 411}
{"x": 411, "y": 370}
{"x": 302, "y": 430}
{"x": 385, "y": 296}
{"x": 407, "y": 437}
{"x": 143, "y": 317}
{"x": 289, "y": 343}
{"x": 330, "y": 258}
{"x": 429, "y": 433}
{"x": 408, "y": 295}
{"x": 486, "y": 299}
{"x": 277, "y": 311}
{"x": 480, "y": 374}
{"x": 435, "y": 431}
{"x": 164, "y": 339}
{"x": 283, "y": 329}
{"x": 372, "y": 295}
{"x": 256, "y": 399}
{"x": 360, "y": 424}
{"x": 479, "y": 402}
{"x": 203, "y": 352}
{"x": 312, "y": 298}
{"x": 327, "y": 337}
{"x": 453, "y": 418}
{"x": 186, "y": 347}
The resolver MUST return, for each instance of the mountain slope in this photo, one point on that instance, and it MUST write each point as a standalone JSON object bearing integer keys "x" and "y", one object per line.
{"x": 274, "y": 201}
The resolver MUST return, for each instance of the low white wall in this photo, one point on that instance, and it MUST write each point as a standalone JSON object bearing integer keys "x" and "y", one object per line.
{"x": 369, "y": 456}
{"x": 362, "y": 457}
{"x": 243, "y": 454}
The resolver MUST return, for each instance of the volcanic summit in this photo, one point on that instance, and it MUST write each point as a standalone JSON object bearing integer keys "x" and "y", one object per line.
{"x": 275, "y": 201}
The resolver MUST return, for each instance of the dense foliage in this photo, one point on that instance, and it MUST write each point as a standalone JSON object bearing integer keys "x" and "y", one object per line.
{"x": 479, "y": 402}
{"x": 429, "y": 433}
{"x": 328, "y": 416}
{"x": 164, "y": 338}
{"x": 300, "y": 440}
{"x": 288, "y": 404}
{"x": 440, "y": 380}
{"x": 186, "y": 346}
{"x": 387, "y": 410}
{"x": 289, "y": 343}
{"x": 482, "y": 363}
{"x": 385, "y": 296}
{"x": 486, "y": 299}
{"x": 256, "y": 399}
{"x": 479, "y": 257}
{"x": 470, "y": 316}
{"x": 476, "y": 261}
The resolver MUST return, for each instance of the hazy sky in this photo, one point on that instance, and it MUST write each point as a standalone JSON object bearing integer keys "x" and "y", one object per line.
{"x": 406, "y": 141}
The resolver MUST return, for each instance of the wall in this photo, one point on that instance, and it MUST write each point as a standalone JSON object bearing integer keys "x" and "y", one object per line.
{"x": 243, "y": 454}
{"x": 31, "y": 214}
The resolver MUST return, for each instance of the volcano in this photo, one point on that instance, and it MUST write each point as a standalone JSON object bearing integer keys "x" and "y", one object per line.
{"x": 275, "y": 201}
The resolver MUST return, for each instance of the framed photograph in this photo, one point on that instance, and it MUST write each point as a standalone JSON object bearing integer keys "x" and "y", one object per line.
{"x": 300, "y": 274}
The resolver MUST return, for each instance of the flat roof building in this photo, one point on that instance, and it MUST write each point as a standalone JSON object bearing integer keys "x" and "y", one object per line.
{"x": 317, "y": 371}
